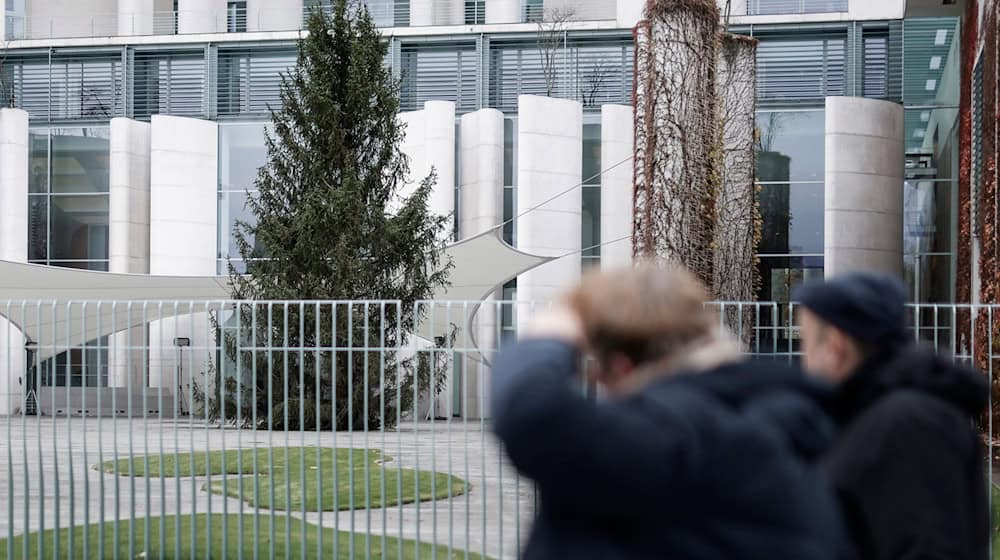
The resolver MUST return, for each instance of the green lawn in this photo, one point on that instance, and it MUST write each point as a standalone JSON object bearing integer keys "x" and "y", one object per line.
{"x": 996, "y": 522}
{"x": 295, "y": 538}
{"x": 334, "y": 478}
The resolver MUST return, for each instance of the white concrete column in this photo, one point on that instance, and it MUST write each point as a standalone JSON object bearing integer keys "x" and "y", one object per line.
{"x": 550, "y": 161}
{"x": 430, "y": 144}
{"x": 135, "y": 17}
{"x": 201, "y": 16}
{"x": 482, "y": 145}
{"x": 864, "y": 186}
{"x": 13, "y": 247}
{"x": 503, "y": 11}
{"x": 617, "y": 142}
{"x": 184, "y": 160}
{"x": 421, "y": 13}
{"x": 274, "y": 15}
{"x": 128, "y": 240}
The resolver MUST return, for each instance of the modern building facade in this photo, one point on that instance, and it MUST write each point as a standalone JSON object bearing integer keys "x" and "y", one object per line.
{"x": 141, "y": 127}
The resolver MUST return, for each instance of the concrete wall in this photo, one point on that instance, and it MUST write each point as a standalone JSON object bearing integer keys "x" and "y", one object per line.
{"x": 128, "y": 240}
{"x": 71, "y": 18}
{"x": 550, "y": 161}
{"x": 864, "y": 186}
{"x": 201, "y": 16}
{"x": 629, "y": 12}
{"x": 135, "y": 17}
{"x": 184, "y": 163}
{"x": 274, "y": 15}
{"x": 13, "y": 246}
{"x": 617, "y": 142}
{"x": 504, "y": 11}
{"x": 482, "y": 149}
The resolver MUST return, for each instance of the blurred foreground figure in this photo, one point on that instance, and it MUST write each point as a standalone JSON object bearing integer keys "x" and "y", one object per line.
{"x": 908, "y": 467}
{"x": 695, "y": 455}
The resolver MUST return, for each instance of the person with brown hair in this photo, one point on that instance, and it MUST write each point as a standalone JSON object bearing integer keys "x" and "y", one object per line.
{"x": 695, "y": 454}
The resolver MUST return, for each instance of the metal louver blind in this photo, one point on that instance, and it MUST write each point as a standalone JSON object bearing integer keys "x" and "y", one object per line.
{"x": 86, "y": 87}
{"x": 27, "y": 84}
{"x": 801, "y": 68}
{"x": 594, "y": 73}
{"x": 774, "y": 7}
{"x": 249, "y": 80}
{"x": 438, "y": 72}
{"x": 875, "y": 73}
{"x": 169, "y": 83}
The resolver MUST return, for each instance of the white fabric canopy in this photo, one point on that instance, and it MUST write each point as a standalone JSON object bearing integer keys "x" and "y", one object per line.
{"x": 61, "y": 308}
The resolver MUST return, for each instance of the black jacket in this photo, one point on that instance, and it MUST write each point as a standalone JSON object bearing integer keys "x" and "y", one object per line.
{"x": 706, "y": 466}
{"x": 908, "y": 466}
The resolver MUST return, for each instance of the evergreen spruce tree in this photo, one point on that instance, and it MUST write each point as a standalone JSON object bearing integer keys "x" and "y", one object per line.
{"x": 331, "y": 224}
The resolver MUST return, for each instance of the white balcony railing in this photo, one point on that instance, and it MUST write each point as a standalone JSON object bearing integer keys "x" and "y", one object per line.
{"x": 386, "y": 13}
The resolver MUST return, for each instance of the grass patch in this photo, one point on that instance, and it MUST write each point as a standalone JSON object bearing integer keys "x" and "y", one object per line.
{"x": 177, "y": 536}
{"x": 995, "y": 524}
{"x": 318, "y": 479}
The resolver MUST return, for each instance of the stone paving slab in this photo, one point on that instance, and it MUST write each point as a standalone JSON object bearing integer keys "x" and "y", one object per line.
{"x": 48, "y": 476}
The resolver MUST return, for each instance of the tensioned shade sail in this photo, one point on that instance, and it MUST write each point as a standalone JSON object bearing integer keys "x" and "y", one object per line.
{"x": 61, "y": 308}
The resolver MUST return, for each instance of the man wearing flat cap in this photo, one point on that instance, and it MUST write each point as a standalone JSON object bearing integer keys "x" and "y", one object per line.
{"x": 908, "y": 464}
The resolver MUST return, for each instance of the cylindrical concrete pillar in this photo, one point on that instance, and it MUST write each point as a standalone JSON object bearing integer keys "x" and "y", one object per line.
{"x": 864, "y": 186}
{"x": 201, "y": 16}
{"x": 503, "y": 11}
{"x": 184, "y": 162}
{"x": 135, "y": 17}
{"x": 128, "y": 239}
{"x": 13, "y": 247}
{"x": 482, "y": 145}
{"x": 550, "y": 161}
{"x": 617, "y": 146}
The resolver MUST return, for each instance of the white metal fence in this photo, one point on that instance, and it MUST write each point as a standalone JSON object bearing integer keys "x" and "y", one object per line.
{"x": 206, "y": 429}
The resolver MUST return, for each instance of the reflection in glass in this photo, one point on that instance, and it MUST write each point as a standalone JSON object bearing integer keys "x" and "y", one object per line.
{"x": 38, "y": 162}
{"x": 509, "y": 151}
{"x": 78, "y": 228}
{"x": 791, "y": 146}
{"x": 793, "y": 218}
{"x": 592, "y": 154}
{"x": 591, "y": 239}
{"x": 85, "y": 367}
{"x": 242, "y": 152}
{"x": 80, "y": 160}
{"x": 38, "y": 228}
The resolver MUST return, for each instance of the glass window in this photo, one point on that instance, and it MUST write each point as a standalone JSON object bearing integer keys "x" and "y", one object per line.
{"x": 930, "y": 66}
{"x": 80, "y": 160}
{"x": 796, "y": 67}
{"x": 38, "y": 172}
{"x": 38, "y": 229}
{"x": 775, "y": 7}
{"x": 242, "y": 152}
{"x": 791, "y": 147}
{"x": 438, "y": 72}
{"x": 509, "y": 151}
{"x": 475, "y": 12}
{"x": 169, "y": 83}
{"x": 78, "y": 228}
{"x": 592, "y": 154}
{"x": 875, "y": 79}
{"x": 236, "y": 17}
{"x": 793, "y": 218}
{"x": 591, "y": 218}
{"x": 534, "y": 10}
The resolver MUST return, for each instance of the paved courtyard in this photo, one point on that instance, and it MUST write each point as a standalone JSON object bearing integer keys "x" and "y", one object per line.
{"x": 49, "y": 474}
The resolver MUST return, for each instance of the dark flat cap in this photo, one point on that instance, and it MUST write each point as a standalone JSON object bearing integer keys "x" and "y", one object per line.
{"x": 870, "y": 308}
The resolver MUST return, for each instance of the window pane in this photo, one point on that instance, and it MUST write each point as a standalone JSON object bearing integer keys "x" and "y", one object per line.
{"x": 38, "y": 178}
{"x": 791, "y": 147}
{"x": 797, "y": 68}
{"x": 80, "y": 160}
{"x": 242, "y": 152}
{"x": 249, "y": 80}
{"x": 780, "y": 275}
{"x": 774, "y": 7}
{"x": 509, "y": 151}
{"x": 793, "y": 218}
{"x": 38, "y": 228}
{"x": 78, "y": 228}
{"x": 233, "y": 208}
{"x": 592, "y": 154}
{"x": 591, "y": 238}
{"x": 927, "y": 216}
{"x": 438, "y": 72}
{"x": 169, "y": 83}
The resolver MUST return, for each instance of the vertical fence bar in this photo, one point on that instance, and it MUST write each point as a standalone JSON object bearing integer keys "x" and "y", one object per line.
{"x": 302, "y": 420}
{"x": 317, "y": 369}
{"x": 367, "y": 454}
{"x": 224, "y": 420}
{"x": 416, "y": 414}
{"x": 270, "y": 426}
{"x": 399, "y": 366}
{"x": 350, "y": 420}
{"x": 86, "y": 471}
{"x": 69, "y": 431}
{"x": 145, "y": 438}
{"x": 239, "y": 432}
{"x": 256, "y": 473}
{"x": 432, "y": 395}
{"x": 288, "y": 465}
{"x": 10, "y": 439}
{"x": 161, "y": 458}
{"x": 385, "y": 447}
{"x": 208, "y": 392}
{"x": 333, "y": 413}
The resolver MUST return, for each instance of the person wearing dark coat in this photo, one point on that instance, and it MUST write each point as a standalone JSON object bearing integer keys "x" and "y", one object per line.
{"x": 908, "y": 466}
{"x": 694, "y": 454}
